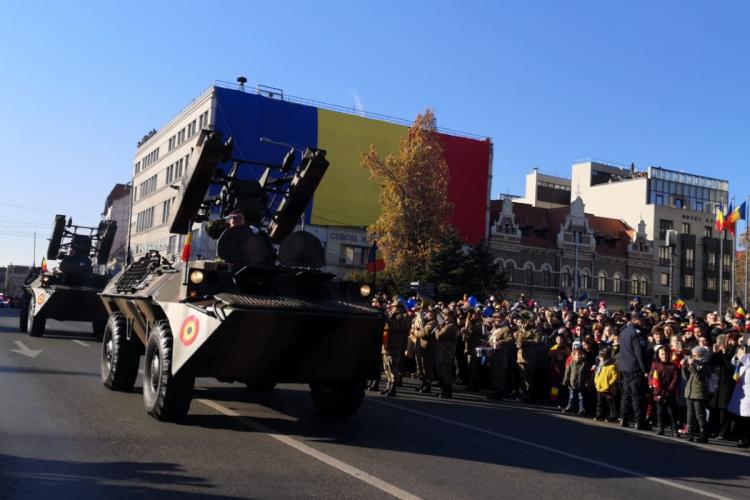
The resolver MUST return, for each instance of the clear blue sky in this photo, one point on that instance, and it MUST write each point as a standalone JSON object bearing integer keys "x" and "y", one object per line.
{"x": 655, "y": 83}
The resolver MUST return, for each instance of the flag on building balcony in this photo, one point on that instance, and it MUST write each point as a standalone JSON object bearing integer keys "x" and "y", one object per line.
{"x": 720, "y": 219}
{"x": 375, "y": 261}
{"x": 44, "y": 265}
{"x": 188, "y": 248}
{"x": 735, "y": 215}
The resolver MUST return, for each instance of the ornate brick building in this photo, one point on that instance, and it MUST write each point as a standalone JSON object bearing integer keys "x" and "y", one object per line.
{"x": 540, "y": 250}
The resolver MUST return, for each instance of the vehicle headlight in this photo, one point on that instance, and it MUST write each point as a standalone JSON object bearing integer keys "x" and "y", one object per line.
{"x": 196, "y": 277}
{"x": 45, "y": 280}
{"x": 365, "y": 290}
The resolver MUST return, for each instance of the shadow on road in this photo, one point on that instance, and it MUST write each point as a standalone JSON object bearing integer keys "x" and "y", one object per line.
{"x": 40, "y": 478}
{"x": 393, "y": 429}
{"x": 42, "y": 371}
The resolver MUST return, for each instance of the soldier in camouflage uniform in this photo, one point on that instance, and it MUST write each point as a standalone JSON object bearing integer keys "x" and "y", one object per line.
{"x": 444, "y": 351}
{"x": 501, "y": 339}
{"x": 394, "y": 345}
{"x": 425, "y": 337}
{"x": 528, "y": 342}
{"x": 472, "y": 336}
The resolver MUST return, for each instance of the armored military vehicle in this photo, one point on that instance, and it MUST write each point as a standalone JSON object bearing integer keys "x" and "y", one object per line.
{"x": 69, "y": 292}
{"x": 261, "y": 313}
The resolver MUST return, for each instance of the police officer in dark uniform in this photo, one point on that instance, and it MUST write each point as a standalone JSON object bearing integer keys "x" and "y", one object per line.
{"x": 632, "y": 367}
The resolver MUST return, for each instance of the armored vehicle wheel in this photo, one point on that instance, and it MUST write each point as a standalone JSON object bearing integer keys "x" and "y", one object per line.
{"x": 98, "y": 327}
{"x": 34, "y": 326}
{"x": 120, "y": 356}
{"x": 23, "y": 318}
{"x": 337, "y": 399}
{"x": 165, "y": 395}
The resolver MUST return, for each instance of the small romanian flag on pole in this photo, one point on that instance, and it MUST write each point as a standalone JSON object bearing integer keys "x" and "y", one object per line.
{"x": 736, "y": 375}
{"x": 188, "y": 248}
{"x": 679, "y": 304}
{"x": 735, "y": 215}
{"x": 44, "y": 265}
{"x": 720, "y": 219}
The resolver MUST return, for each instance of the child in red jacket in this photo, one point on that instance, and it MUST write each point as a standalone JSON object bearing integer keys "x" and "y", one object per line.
{"x": 664, "y": 380}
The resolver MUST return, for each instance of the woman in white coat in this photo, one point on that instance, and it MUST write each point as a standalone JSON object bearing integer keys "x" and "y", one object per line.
{"x": 739, "y": 405}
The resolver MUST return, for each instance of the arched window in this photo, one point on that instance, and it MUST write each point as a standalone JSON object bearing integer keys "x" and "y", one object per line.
{"x": 643, "y": 289}
{"x": 585, "y": 283}
{"x": 546, "y": 275}
{"x": 601, "y": 281}
{"x": 565, "y": 277}
{"x": 510, "y": 271}
{"x": 529, "y": 273}
{"x": 634, "y": 284}
{"x": 617, "y": 283}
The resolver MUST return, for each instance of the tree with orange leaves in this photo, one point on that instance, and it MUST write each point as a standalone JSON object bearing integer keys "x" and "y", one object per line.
{"x": 415, "y": 211}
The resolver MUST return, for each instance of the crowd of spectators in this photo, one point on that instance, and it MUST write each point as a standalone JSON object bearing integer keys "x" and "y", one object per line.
{"x": 653, "y": 368}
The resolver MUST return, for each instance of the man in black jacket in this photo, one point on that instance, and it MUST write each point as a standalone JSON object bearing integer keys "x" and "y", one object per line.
{"x": 632, "y": 367}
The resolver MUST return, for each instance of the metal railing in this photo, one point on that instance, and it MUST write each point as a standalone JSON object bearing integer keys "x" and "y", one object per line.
{"x": 281, "y": 95}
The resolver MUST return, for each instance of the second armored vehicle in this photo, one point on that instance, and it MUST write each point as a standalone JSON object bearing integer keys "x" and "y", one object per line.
{"x": 70, "y": 292}
{"x": 258, "y": 314}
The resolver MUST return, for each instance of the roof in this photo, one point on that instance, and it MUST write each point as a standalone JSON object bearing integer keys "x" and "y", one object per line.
{"x": 119, "y": 191}
{"x": 540, "y": 226}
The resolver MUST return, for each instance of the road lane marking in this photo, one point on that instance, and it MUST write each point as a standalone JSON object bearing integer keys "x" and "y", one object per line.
{"x": 25, "y": 351}
{"x": 549, "y": 449}
{"x": 312, "y": 452}
{"x": 84, "y": 344}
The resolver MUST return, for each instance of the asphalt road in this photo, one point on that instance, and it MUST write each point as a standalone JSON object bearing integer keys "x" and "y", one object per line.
{"x": 63, "y": 435}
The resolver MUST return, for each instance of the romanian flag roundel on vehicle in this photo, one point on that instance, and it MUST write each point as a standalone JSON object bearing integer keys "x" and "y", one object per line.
{"x": 189, "y": 330}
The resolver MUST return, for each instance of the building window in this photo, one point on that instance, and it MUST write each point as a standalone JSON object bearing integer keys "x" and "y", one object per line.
{"x": 678, "y": 203}
{"x": 617, "y": 283}
{"x": 664, "y": 226}
{"x": 710, "y": 283}
{"x": 546, "y": 276}
{"x": 137, "y": 167}
{"x": 664, "y": 279}
{"x": 585, "y": 280}
{"x": 711, "y": 258}
{"x": 510, "y": 271}
{"x": 148, "y": 186}
{"x": 353, "y": 255}
{"x": 165, "y": 210}
{"x": 685, "y": 228}
{"x": 690, "y": 257}
{"x": 529, "y": 274}
{"x": 144, "y": 220}
{"x": 643, "y": 288}
{"x": 708, "y": 232}
{"x": 664, "y": 256}
{"x": 634, "y": 285}
{"x": 688, "y": 281}
{"x": 727, "y": 260}
{"x": 172, "y": 245}
{"x": 601, "y": 281}
{"x": 565, "y": 277}
{"x": 727, "y": 287}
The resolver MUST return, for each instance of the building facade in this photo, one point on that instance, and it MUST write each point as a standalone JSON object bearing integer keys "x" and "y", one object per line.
{"x": 547, "y": 250}
{"x": 346, "y": 200}
{"x": 117, "y": 208}
{"x": 14, "y": 279}
{"x": 667, "y": 200}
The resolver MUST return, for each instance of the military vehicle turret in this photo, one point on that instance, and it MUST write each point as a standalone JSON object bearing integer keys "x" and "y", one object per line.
{"x": 261, "y": 313}
{"x": 69, "y": 292}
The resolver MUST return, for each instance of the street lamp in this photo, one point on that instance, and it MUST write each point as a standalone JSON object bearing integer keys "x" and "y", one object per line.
{"x": 671, "y": 242}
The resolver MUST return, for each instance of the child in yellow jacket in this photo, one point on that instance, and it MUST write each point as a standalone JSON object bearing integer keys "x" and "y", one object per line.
{"x": 605, "y": 381}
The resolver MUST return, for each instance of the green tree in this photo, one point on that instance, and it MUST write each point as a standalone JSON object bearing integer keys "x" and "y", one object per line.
{"x": 415, "y": 210}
